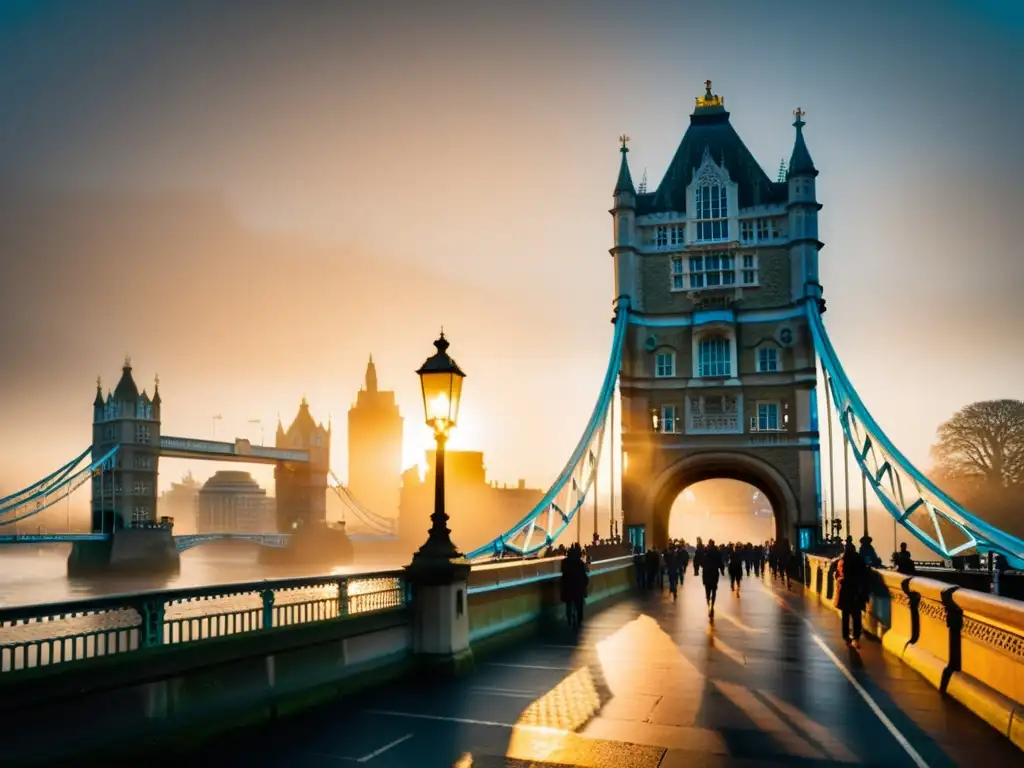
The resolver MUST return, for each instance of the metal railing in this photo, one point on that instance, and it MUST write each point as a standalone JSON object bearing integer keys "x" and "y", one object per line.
{"x": 57, "y": 633}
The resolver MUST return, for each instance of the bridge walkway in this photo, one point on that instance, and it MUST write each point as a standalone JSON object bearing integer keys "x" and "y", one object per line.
{"x": 651, "y": 683}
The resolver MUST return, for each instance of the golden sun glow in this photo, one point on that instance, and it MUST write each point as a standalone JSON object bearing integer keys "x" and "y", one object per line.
{"x": 467, "y": 436}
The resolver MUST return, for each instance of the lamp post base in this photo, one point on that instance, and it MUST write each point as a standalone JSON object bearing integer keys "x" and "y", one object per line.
{"x": 441, "y": 616}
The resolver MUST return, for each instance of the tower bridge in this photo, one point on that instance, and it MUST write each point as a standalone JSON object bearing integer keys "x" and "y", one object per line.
{"x": 122, "y": 468}
{"x": 718, "y": 349}
{"x": 717, "y": 352}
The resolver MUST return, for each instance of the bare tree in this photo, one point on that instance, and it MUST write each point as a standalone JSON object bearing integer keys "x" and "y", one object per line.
{"x": 983, "y": 445}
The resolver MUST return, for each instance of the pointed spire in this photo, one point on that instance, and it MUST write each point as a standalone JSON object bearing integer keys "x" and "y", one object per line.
{"x": 625, "y": 181}
{"x": 126, "y": 389}
{"x": 156, "y": 390}
{"x": 800, "y": 163}
{"x": 371, "y": 376}
{"x": 98, "y": 400}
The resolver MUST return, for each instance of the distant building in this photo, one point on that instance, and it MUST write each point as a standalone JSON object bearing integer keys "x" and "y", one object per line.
{"x": 125, "y": 494}
{"x": 477, "y": 510}
{"x": 232, "y": 502}
{"x": 181, "y": 503}
{"x": 302, "y": 486}
{"x": 375, "y": 447}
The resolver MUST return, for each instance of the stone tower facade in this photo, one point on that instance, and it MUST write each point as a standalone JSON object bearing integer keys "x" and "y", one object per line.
{"x": 375, "y": 447}
{"x": 124, "y": 494}
{"x": 718, "y": 373}
{"x": 301, "y": 487}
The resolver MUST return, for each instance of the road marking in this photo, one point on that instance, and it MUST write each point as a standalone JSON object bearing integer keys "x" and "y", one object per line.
{"x": 528, "y": 666}
{"x": 506, "y": 694}
{"x": 918, "y": 760}
{"x": 385, "y": 748}
{"x": 872, "y": 704}
{"x": 740, "y": 624}
{"x": 469, "y": 721}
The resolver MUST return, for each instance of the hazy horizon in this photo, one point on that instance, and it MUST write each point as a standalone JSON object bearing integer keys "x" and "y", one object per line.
{"x": 250, "y": 200}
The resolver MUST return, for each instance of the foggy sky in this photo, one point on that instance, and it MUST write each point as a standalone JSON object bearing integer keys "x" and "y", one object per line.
{"x": 249, "y": 199}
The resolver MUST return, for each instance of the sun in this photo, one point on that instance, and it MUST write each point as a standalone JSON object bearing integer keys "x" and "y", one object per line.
{"x": 418, "y": 438}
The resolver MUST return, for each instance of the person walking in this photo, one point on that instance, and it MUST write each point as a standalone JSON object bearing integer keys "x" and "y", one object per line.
{"x": 868, "y": 554}
{"x": 851, "y": 587}
{"x": 698, "y": 557}
{"x": 904, "y": 560}
{"x": 672, "y": 565}
{"x": 736, "y": 570}
{"x": 784, "y": 559}
{"x": 574, "y": 586}
{"x": 713, "y": 568}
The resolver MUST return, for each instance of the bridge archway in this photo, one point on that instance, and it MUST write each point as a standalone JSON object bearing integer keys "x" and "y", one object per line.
{"x": 723, "y": 510}
{"x": 720, "y": 465}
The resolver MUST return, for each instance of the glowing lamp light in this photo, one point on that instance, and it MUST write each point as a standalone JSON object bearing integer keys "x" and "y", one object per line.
{"x": 441, "y": 382}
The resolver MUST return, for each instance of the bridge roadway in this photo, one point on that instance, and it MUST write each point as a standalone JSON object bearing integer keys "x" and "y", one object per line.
{"x": 650, "y": 683}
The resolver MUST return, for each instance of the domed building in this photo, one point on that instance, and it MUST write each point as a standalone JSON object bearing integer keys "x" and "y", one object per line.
{"x": 233, "y": 502}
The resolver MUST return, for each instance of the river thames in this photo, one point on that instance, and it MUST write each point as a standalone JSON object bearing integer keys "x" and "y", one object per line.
{"x": 31, "y": 575}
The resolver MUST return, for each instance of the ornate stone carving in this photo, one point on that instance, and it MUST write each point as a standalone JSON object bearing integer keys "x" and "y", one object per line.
{"x": 932, "y": 610}
{"x": 899, "y": 598}
{"x": 987, "y": 634}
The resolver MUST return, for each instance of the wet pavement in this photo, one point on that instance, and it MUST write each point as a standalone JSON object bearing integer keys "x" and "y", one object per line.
{"x": 649, "y": 682}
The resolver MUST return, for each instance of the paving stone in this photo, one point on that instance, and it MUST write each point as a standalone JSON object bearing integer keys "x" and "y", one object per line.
{"x": 649, "y": 682}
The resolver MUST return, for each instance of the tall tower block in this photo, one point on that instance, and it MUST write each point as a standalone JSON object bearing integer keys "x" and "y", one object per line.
{"x": 375, "y": 447}
{"x": 718, "y": 373}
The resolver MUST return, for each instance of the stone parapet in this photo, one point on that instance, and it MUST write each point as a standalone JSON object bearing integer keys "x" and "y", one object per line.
{"x": 968, "y": 644}
{"x": 179, "y": 666}
{"x": 989, "y": 678}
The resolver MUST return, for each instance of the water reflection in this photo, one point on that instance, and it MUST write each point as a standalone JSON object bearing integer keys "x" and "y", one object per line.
{"x": 31, "y": 575}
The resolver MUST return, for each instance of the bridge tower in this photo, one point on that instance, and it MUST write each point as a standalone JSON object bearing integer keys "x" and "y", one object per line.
{"x": 125, "y": 495}
{"x": 301, "y": 486}
{"x": 718, "y": 373}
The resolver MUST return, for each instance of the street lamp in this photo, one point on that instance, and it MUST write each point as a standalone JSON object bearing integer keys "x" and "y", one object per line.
{"x": 441, "y": 383}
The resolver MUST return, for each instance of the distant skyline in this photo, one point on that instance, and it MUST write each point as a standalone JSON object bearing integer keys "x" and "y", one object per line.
{"x": 250, "y": 200}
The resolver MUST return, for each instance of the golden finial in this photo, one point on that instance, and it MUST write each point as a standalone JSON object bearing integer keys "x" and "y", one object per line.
{"x": 624, "y": 140}
{"x": 127, "y": 361}
{"x": 99, "y": 382}
{"x": 709, "y": 99}
{"x": 156, "y": 380}
{"x": 799, "y": 114}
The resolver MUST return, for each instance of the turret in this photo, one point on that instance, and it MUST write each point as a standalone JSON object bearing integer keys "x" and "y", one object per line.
{"x": 97, "y": 403}
{"x": 803, "y": 217}
{"x": 624, "y": 229}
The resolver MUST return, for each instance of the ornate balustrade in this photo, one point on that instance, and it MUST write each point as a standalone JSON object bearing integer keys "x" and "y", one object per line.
{"x": 968, "y": 644}
{"x": 59, "y": 633}
{"x": 718, "y": 422}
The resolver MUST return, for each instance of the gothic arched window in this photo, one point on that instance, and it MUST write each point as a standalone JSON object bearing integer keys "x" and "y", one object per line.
{"x": 710, "y": 206}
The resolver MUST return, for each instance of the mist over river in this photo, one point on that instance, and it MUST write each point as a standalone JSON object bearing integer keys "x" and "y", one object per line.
{"x": 30, "y": 574}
